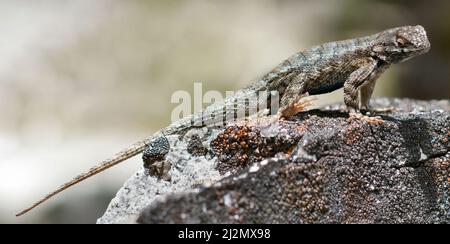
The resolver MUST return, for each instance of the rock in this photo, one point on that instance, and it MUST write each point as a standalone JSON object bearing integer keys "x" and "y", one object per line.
{"x": 317, "y": 167}
{"x": 186, "y": 172}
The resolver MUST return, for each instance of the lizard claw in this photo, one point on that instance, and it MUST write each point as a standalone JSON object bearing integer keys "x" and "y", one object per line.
{"x": 296, "y": 108}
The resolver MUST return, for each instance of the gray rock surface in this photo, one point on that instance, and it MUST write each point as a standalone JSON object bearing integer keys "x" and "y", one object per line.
{"x": 142, "y": 189}
{"x": 318, "y": 167}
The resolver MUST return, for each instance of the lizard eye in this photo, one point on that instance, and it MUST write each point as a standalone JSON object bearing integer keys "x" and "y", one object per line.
{"x": 402, "y": 41}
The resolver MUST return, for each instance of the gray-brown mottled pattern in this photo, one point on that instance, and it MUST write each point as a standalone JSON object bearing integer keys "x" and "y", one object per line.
{"x": 353, "y": 64}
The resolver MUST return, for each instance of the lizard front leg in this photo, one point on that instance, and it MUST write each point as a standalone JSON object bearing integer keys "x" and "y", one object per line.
{"x": 356, "y": 81}
{"x": 367, "y": 90}
{"x": 363, "y": 79}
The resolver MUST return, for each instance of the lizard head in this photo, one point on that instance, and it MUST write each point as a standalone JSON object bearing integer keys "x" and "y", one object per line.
{"x": 400, "y": 44}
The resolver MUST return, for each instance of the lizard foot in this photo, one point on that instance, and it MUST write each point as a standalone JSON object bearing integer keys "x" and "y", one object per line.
{"x": 296, "y": 108}
{"x": 376, "y": 120}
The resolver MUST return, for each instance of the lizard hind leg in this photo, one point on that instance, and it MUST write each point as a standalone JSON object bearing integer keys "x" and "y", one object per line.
{"x": 291, "y": 101}
{"x": 301, "y": 104}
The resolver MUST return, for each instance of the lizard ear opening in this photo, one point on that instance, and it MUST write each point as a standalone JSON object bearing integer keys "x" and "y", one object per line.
{"x": 378, "y": 52}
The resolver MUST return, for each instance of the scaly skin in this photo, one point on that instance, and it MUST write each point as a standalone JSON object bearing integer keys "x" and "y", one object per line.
{"x": 353, "y": 64}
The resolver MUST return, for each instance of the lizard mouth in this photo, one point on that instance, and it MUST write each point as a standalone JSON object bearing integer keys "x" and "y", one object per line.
{"x": 404, "y": 54}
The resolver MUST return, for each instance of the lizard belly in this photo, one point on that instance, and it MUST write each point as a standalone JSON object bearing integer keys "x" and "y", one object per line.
{"x": 326, "y": 87}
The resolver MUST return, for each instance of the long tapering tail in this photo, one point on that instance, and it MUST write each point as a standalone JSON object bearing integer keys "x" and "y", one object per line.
{"x": 119, "y": 157}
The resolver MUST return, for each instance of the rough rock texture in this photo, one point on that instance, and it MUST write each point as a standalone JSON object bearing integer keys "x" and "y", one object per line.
{"x": 318, "y": 167}
{"x": 142, "y": 188}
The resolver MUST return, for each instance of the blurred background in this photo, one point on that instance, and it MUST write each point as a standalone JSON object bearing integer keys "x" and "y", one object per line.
{"x": 80, "y": 80}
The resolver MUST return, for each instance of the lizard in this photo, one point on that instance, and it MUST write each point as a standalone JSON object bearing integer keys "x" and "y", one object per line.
{"x": 353, "y": 64}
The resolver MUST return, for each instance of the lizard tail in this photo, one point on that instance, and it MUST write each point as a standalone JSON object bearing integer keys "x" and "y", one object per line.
{"x": 119, "y": 157}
